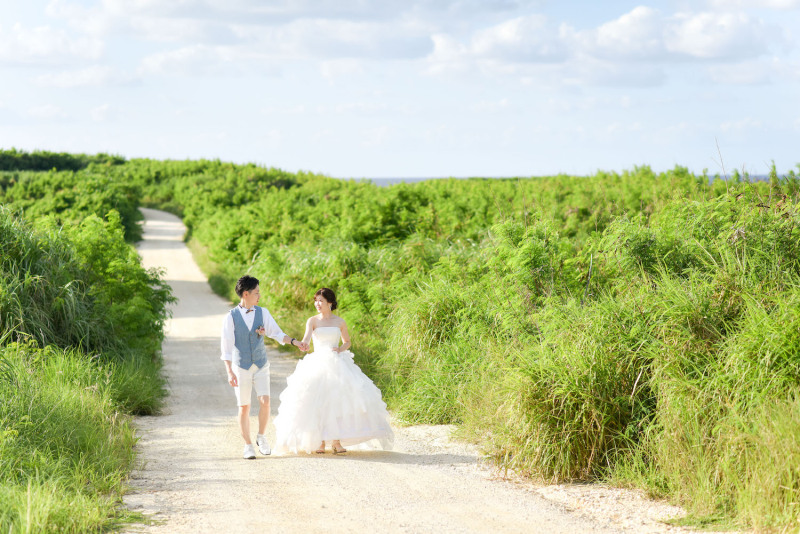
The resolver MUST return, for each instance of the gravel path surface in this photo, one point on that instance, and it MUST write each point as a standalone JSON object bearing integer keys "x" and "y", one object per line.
{"x": 193, "y": 479}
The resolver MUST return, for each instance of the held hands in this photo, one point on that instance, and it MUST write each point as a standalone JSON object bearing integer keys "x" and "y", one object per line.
{"x": 303, "y": 346}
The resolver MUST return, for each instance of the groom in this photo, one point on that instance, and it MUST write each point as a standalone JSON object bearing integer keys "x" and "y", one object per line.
{"x": 245, "y": 358}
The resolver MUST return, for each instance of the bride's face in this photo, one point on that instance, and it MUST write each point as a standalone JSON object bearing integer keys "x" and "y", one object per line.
{"x": 321, "y": 304}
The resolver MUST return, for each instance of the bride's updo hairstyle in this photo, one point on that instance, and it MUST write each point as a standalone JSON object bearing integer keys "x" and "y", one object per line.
{"x": 328, "y": 295}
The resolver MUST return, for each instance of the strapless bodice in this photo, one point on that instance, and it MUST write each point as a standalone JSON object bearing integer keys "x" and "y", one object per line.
{"x": 326, "y": 337}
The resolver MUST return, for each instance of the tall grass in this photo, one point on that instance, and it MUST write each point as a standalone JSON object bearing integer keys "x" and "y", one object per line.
{"x": 634, "y": 327}
{"x": 79, "y": 286}
{"x": 619, "y": 327}
{"x": 79, "y": 353}
{"x": 43, "y": 293}
{"x": 65, "y": 444}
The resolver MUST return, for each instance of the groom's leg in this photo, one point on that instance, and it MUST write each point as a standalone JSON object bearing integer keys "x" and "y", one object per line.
{"x": 261, "y": 384}
{"x": 263, "y": 413}
{"x": 244, "y": 422}
{"x": 243, "y": 393}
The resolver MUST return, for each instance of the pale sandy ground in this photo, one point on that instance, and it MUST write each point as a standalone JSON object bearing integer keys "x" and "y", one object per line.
{"x": 193, "y": 479}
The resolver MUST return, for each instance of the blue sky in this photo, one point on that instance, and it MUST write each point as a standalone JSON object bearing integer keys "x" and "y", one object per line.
{"x": 408, "y": 88}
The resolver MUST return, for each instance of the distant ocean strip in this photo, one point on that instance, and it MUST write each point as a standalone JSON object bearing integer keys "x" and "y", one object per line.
{"x": 383, "y": 182}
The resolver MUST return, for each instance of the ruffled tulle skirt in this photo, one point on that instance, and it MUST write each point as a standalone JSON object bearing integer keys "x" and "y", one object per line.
{"x": 328, "y": 398}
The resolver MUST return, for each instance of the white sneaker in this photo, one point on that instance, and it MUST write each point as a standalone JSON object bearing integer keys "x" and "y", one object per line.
{"x": 263, "y": 446}
{"x": 249, "y": 452}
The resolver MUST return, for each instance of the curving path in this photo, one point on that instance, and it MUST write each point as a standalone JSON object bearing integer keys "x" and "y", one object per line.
{"x": 193, "y": 478}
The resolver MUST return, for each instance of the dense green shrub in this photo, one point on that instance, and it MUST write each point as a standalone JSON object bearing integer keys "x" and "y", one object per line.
{"x": 81, "y": 324}
{"x": 65, "y": 445}
{"x": 79, "y": 286}
{"x": 582, "y": 328}
{"x": 41, "y": 160}
{"x": 638, "y": 327}
{"x": 68, "y": 197}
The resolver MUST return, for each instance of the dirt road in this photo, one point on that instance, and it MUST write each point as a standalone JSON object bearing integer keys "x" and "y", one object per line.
{"x": 193, "y": 478}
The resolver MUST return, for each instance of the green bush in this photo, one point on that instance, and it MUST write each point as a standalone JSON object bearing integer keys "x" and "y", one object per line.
{"x": 81, "y": 327}
{"x": 80, "y": 286}
{"x": 65, "y": 445}
{"x": 41, "y": 160}
{"x": 68, "y": 197}
{"x": 635, "y": 327}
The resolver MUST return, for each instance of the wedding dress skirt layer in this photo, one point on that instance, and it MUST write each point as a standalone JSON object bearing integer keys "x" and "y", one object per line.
{"x": 327, "y": 398}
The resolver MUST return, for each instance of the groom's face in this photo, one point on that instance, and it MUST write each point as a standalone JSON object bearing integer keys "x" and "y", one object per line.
{"x": 251, "y": 297}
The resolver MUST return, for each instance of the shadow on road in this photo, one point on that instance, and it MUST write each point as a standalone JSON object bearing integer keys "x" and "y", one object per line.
{"x": 387, "y": 457}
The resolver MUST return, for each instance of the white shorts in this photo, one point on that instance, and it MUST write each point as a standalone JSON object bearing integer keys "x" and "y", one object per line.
{"x": 248, "y": 379}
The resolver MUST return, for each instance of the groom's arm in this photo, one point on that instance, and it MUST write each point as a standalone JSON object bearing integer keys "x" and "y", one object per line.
{"x": 272, "y": 330}
{"x": 226, "y": 347}
{"x": 232, "y": 380}
{"x": 294, "y": 342}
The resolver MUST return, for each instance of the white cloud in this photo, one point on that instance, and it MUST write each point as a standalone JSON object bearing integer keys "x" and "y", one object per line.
{"x": 765, "y": 4}
{"x": 646, "y": 34}
{"x": 640, "y": 48}
{"x": 326, "y": 38}
{"x": 638, "y": 34}
{"x": 595, "y": 71}
{"x": 523, "y": 39}
{"x": 95, "y": 75}
{"x": 717, "y": 36}
{"x": 282, "y": 11}
{"x": 44, "y": 44}
{"x": 148, "y": 21}
{"x": 339, "y": 44}
{"x": 91, "y": 21}
{"x": 449, "y": 55}
{"x": 337, "y": 68}
{"x": 172, "y": 30}
{"x": 509, "y": 48}
{"x": 202, "y": 60}
{"x": 745, "y": 73}
{"x": 100, "y": 17}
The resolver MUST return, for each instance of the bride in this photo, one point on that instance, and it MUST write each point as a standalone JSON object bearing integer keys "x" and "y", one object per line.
{"x": 328, "y": 398}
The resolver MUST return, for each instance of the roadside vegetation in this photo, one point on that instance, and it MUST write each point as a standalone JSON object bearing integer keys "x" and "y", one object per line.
{"x": 638, "y": 328}
{"x": 80, "y": 332}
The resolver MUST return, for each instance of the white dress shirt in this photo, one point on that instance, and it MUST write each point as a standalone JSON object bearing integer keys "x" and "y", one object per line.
{"x": 272, "y": 328}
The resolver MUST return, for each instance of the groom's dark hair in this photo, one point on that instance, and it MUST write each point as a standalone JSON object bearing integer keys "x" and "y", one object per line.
{"x": 246, "y": 283}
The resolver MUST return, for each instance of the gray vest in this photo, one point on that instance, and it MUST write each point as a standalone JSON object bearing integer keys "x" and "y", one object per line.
{"x": 248, "y": 346}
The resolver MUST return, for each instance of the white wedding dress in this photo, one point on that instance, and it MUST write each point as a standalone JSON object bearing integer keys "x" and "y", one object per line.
{"x": 329, "y": 398}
